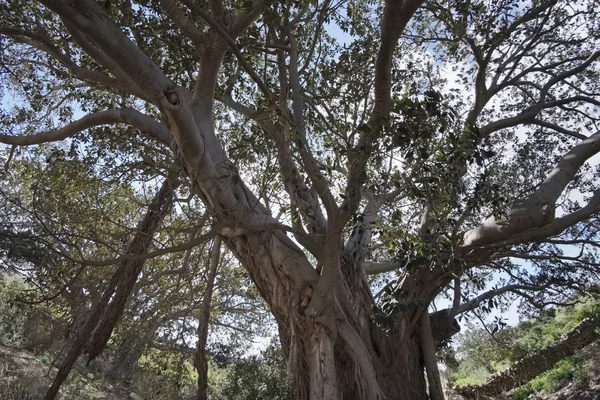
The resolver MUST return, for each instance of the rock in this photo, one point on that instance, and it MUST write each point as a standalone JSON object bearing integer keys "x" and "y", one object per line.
{"x": 135, "y": 396}
{"x": 90, "y": 376}
{"x": 576, "y": 391}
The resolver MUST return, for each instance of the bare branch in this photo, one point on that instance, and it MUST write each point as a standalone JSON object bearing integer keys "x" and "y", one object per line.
{"x": 378, "y": 268}
{"x": 108, "y": 117}
{"x": 559, "y": 129}
{"x": 531, "y": 113}
{"x": 293, "y": 181}
{"x": 565, "y": 170}
{"x": 229, "y": 40}
{"x": 457, "y": 294}
{"x": 568, "y": 73}
{"x": 91, "y": 20}
{"x": 310, "y": 164}
{"x": 553, "y": 228}
{"x": 185, "y": 24}
{"x": 396, "y": 15}
{"x": 476, "y": 302}
{"x": 361, "y": 233}
{"x": 97, "y": 54}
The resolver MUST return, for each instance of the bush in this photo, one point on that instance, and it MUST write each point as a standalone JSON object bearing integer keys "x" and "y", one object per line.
{"x": 263, "y": 377}
{"x": 470, "y": 375}
{"x": 164, "y": 374}
{"x": 30, "y": 326}
{"x": 13, "y": 314}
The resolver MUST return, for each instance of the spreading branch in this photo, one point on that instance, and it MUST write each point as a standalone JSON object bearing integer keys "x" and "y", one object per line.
{"x": 42, "y": 43}
{"x": 396, "y": 15}
{"x": 538, "y": 209}
{"x": 127, "y": 116}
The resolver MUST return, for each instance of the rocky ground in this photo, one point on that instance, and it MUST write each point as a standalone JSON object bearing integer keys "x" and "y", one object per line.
{"x": 575, "y": 391}
{"x": 582, "y": 391}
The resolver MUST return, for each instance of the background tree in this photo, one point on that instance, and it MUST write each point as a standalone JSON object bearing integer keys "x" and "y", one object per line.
{"x": 166, "y": 295}
{"x": 365, "y": 152}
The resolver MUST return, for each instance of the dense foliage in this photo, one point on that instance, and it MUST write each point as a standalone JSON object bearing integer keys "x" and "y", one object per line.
{"x": 355, "y": 164}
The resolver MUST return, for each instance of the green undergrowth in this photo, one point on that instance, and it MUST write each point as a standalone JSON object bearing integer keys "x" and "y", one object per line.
{"x": 567, "y": 370}
{"x": 479, "y": 355}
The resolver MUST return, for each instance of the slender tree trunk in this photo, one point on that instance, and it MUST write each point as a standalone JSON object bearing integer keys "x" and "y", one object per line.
{"x": 200, "y": 361}
{"x": 140, "y": 243}
{"x": 436, "y": 391}
{"x": 129, "y": 270}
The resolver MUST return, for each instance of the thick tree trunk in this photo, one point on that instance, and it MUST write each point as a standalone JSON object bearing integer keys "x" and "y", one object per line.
{"x": 341, "y": 354}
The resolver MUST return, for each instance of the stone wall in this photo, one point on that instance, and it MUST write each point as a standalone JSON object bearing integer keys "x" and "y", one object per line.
{"x": 534, "y": 364}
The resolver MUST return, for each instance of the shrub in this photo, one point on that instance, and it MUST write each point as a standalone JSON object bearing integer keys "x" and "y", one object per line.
{"x": 13, "y": 314}
{"x": 258, "y": 377}
{"x": 470, "y": 375}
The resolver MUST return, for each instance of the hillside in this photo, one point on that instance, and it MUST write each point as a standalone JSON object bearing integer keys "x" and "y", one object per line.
{"x": 557, "y": 384}
{"x": 553, "y": 356}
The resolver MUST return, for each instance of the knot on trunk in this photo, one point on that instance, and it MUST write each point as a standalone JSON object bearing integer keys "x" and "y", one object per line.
{"x": 305, "y": 295}
{"x": 172, "y": 98}
{"x": 443, "y": 327}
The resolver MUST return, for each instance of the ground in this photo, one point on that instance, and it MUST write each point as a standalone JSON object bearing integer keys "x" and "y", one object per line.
{"x": 589, "y": 390}
{"x": 25, "y": 377}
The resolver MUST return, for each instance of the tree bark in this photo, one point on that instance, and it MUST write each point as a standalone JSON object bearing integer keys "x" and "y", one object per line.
{"x": 126, "y": 356}
{"x": 343, "y": 353}
{"x": 436, "y": 391}
{"x": 129, "y": 270}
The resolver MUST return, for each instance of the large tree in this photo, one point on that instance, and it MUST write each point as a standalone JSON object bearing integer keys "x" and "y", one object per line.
{"x": 432, "y": 142}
